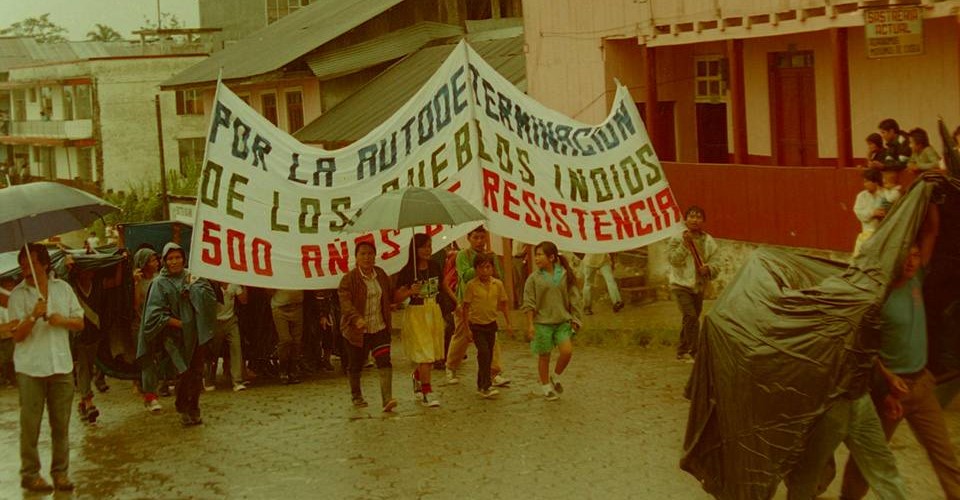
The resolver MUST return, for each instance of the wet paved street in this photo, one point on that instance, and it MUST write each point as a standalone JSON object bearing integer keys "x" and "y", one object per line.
{"x": 616, "y": 433}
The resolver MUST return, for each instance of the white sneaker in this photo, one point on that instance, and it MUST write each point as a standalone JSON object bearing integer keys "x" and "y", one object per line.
{"x": 152, "y": 406}
{"x": 488, "y": 393}
{"x": 500, "y": 381}
{"x": 430, "y": 400}
{"x": 551, "y": 395}
{"x": 239, "y": 387}
{"x": 452, "y": 377}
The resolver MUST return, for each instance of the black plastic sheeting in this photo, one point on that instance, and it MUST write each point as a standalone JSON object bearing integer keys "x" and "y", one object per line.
{"x": 115, "y": 312}
{"x": 792, "y": 333}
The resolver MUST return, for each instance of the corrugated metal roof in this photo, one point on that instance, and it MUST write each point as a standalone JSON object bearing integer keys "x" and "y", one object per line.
{"x": 394, "y": 45}
{"x": 14, "y": 52}
{"x": 284, "y": 41}
{"x": 21, "y": 51}
{"x": 376, "y": 101}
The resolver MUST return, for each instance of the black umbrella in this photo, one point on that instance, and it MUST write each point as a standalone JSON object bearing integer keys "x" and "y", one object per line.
{"x": 38, "y": 210}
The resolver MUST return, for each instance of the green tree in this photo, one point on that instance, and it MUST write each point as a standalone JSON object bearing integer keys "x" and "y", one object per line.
{"x": 104, "y": 33}
{"x": 41, "y": 29}
{"x": 168, "y": 21}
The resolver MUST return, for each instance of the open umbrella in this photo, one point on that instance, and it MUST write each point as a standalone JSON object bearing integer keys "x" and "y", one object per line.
{"x": 412, "y": 207}
{"x": 32, "y": 212}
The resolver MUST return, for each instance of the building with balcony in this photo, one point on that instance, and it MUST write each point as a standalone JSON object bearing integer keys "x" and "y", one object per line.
{"x": 85, "y": 112}
{"x": 309, "y": 56}
{"x": 757, "y": 108}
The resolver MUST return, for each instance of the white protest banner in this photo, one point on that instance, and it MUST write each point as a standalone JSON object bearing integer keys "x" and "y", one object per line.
{"x": 271, "y": 211}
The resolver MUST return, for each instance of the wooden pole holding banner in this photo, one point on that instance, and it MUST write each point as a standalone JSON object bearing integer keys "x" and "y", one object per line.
{"x": 508, "y": 270}
{"x": 163, "y": 167}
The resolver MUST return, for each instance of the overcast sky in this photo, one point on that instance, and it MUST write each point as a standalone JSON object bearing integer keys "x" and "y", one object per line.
{"x": 80, "y": 16}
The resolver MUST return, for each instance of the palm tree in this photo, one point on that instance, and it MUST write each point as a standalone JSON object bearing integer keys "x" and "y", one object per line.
{"x": 104, "y": 33}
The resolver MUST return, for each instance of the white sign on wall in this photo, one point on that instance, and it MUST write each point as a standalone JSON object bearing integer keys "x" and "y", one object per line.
{"x": 893, "y": 32}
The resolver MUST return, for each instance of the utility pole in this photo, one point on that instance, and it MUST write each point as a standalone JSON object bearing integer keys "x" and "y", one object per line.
{"x": 163, "y": 167}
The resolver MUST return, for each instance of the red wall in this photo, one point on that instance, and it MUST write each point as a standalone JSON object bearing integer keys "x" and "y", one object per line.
{"x": 809, "y": 207}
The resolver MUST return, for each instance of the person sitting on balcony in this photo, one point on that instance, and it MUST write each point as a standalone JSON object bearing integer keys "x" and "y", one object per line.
{"x": 5, "y": 180}
{"x": 869, "y": 207}
{"x": 923, "y": 156}
{"x": 24, "y": 172}
{"x": 875, "y": 150}
{"x": 897, "y": 145}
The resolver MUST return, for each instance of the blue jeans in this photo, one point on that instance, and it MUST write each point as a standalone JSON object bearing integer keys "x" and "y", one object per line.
{"x": 856, "y": 424}
{"x": 56, "y": 393}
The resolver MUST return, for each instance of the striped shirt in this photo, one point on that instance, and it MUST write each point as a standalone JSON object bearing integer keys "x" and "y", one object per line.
{"x": 371, "y": 311}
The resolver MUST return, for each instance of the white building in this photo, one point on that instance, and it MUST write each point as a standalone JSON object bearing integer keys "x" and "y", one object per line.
{"x": 89, "y": 116}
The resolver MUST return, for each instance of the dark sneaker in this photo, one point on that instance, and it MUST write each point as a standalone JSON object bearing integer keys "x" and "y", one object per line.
{"x": 588, "y": 311}
{"x": 187, "y": 420}
{"x": 61, "y": 482}
{"x": 284, "y": 379}
{"x": 359, "y": 402}
{"x": 92, "y": 414}
{"x": 389, "y": 405}
{"x": 618, "y": 306}
{"x": 36, "y": 484}
{"x": 294, "y": 378}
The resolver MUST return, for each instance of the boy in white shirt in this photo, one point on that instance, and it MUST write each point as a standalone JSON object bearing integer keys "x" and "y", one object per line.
{"x": 869, "y": 207}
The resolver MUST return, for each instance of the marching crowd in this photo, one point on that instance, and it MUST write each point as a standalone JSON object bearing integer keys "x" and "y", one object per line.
{"x": 452, "y": 299}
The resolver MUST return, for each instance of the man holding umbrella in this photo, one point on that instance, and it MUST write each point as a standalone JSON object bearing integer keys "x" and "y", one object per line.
{"x": 48, "y": 310}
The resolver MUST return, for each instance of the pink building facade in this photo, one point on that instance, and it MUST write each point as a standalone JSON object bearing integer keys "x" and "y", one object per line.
{"x": 757, "y": 109}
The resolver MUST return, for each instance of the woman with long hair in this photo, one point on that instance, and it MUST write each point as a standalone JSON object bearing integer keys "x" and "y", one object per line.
{"x": 551, "y": 301}
{"x": 422, "y": 329}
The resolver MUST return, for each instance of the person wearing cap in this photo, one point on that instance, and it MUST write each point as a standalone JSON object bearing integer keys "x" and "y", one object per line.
{"x": 179, "y": 317}
{"x": 47, "y": 310}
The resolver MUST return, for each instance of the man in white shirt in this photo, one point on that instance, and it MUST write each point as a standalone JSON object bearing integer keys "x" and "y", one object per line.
{"x": 7, "y": 326}
{"x": 47, "y": 310}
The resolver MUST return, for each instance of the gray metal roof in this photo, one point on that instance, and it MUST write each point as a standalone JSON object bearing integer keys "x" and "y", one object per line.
{"x": 21, "y": 51}
{"x": 391, "y": 46}
{"x": 376, "y": 101}
{"x": 284, "y": 41}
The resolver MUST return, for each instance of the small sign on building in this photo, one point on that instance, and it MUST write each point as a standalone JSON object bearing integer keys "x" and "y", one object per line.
{"x": 892, "y": 32}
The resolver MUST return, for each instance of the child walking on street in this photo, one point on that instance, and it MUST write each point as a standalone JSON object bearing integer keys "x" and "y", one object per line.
{"x": 691, "y": 269}
{"x": 481, "y": 300}
{"x": 422, "y": 328}
{"x": 551, "y": 300}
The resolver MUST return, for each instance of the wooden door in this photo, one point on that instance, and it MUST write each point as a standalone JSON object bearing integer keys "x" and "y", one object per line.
{"x": 664, "y": 139}
{"x": 793, "y": 109}
{"x": 712, "y": 133}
